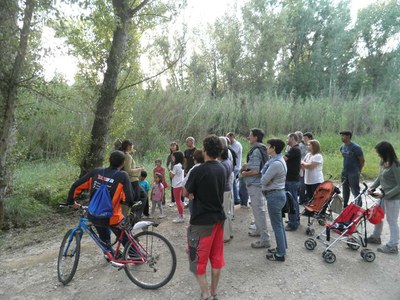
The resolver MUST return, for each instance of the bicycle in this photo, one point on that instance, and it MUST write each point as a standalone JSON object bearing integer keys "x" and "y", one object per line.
{"x": 148, "y": 258}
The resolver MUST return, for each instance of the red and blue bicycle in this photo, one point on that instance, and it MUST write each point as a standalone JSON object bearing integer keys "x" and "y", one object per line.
{"x": 148, "y": 258}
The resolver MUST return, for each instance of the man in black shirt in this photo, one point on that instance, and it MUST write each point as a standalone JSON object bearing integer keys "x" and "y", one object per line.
{"x": 205, "y": 188}
{"x": 293, "y": 159}
{"x": 188, "y": 154}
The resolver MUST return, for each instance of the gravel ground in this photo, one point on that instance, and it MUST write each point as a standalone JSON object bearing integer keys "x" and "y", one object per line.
{"x": 28, "y": 259}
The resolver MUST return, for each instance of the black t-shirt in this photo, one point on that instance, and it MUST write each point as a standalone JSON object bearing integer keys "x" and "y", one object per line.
{"x": 206, "y": 182}
{"x": 293, "y": 163}
{"x": 189, "y": 160}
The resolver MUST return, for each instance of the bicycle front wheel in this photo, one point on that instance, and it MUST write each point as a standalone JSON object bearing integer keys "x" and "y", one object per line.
{"x": 155, "y": 265}
{"x": 68, "y": 257}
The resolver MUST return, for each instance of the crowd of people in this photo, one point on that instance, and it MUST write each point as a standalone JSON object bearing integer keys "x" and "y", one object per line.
{"x": 212, "y": 180}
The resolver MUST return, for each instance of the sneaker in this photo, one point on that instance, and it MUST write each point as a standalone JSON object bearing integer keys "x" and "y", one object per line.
{"x": 252, "y": 226}
{"x": 254, "y": 234}
{"x": 178, "y": 220}
{"x": 274, "y": 257}
{"x": 172, "y": 204}
{"x": 290, "y": 228}
{"x": 388, "y": 249}
{"x": 260, "y": 244}
{"x": 374, "y": 240}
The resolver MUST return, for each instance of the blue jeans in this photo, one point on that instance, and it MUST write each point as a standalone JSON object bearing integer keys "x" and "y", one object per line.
{"x": 392, "y": 209}
{"x": 243, "y": 194}
{"x": 350, "y": 182}
{"x": 236, "y": 198}
{"x": 302, "y": 192}
{"x": 275, "y": 202}
{"x": 292, "y": 187}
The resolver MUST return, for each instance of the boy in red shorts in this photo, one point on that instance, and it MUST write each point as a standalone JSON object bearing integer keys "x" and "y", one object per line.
{"x": 205, "y": 187}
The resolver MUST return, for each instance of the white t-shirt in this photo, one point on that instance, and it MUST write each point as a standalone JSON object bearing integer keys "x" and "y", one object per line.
{"x": 313, "y": 176}
{"x": 177, "y": 180}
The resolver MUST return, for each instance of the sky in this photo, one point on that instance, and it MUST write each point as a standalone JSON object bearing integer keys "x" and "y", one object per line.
{"x": 198, "y": 12}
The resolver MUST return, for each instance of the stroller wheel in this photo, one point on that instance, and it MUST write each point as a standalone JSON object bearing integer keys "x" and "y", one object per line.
{"x": 329, "y": 257}
{"x": 352, "y": 243}
{"x": 321, "y": 222}
{"x": 325, "y": 252}
{"x": 310, "y": 244}
{"x": 369, "y": 256}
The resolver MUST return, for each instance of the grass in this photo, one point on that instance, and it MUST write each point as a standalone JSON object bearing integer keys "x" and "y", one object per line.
{"x": 38, "y": 186}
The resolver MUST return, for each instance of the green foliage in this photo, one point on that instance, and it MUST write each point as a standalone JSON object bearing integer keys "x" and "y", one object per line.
{"x": 21, "y": 210}
{"x": 48, "y": 122}
{"x": 79, "y": 143}
{"x": 38, "y": 186}
{"x": 300, "y": 48}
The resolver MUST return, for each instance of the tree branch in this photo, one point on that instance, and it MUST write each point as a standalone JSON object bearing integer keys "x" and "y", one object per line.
{"x": 48, "y": 98}
{"x": 150, "y": 77}
{"x": 133, "y": 11}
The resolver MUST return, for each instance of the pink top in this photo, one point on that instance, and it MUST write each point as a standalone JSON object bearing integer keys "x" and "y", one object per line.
{"x": 160, "y": 170}
{"x": 157, "y": 191}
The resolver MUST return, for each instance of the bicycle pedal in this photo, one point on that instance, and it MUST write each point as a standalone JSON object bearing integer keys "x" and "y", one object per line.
{"x": 117, "y": 265}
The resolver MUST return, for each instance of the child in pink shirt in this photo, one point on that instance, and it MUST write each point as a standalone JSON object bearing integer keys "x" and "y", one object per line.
{"x": 159, "y": 169}
{"x": 157, "y": 195}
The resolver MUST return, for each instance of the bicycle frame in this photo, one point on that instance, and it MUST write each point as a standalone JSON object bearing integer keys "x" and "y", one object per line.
{"x": 85, "y": 225}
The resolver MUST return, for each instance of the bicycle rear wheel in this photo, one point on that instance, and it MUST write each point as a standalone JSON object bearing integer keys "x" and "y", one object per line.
{"x": 68, "y": 257}
{"x": 159, "y": 263}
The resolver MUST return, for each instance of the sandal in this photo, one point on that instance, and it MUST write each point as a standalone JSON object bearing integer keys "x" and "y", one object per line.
{"x": 274, "y": 257}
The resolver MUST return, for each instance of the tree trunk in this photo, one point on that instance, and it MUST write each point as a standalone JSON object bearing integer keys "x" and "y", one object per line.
{"x": 105, "y": 104}
{"x": 9, "y": 88}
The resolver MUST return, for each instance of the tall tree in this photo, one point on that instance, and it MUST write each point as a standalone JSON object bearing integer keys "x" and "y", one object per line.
{"x": 378, "y": 28}
{"x": 105, "y": 104}
{"x": 228, "y": 40}
{"x": 263, "y": 39}
{"x": 14, "y": 46}
{"x": 110, "y": 44}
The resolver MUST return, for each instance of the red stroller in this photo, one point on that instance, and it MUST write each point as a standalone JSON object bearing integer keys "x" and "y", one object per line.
{"x": 350, "y": 226}
{"x": 317, "y": 207}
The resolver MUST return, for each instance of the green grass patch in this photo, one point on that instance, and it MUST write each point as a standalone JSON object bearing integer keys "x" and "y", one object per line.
{"x": 38, "y": 186}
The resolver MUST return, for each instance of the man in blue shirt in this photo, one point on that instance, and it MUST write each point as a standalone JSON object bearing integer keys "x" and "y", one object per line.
{"x": 353, "y": 162}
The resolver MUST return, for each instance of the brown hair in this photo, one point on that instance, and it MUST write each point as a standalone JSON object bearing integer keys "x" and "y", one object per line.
{"x": 198, "y": 156}
{"x": 315, "y": 146}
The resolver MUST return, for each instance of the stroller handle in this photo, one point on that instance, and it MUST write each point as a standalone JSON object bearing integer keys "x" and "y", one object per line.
{"x": 365, "y": 188}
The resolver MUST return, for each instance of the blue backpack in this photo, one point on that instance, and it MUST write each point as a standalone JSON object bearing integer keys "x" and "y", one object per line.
{"x": 100, "y": 205}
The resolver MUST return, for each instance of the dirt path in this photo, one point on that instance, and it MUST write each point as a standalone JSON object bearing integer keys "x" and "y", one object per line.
{"x": 28, "y": 269}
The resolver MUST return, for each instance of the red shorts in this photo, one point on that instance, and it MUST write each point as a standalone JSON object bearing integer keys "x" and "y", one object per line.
{"x": 205, "y": 242}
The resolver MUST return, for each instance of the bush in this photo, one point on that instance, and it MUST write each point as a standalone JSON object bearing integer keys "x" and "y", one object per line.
{"x": 42, "y": 193}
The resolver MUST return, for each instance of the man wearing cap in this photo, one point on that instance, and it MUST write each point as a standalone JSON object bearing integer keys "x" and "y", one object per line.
{"x": 353, "y": 162}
